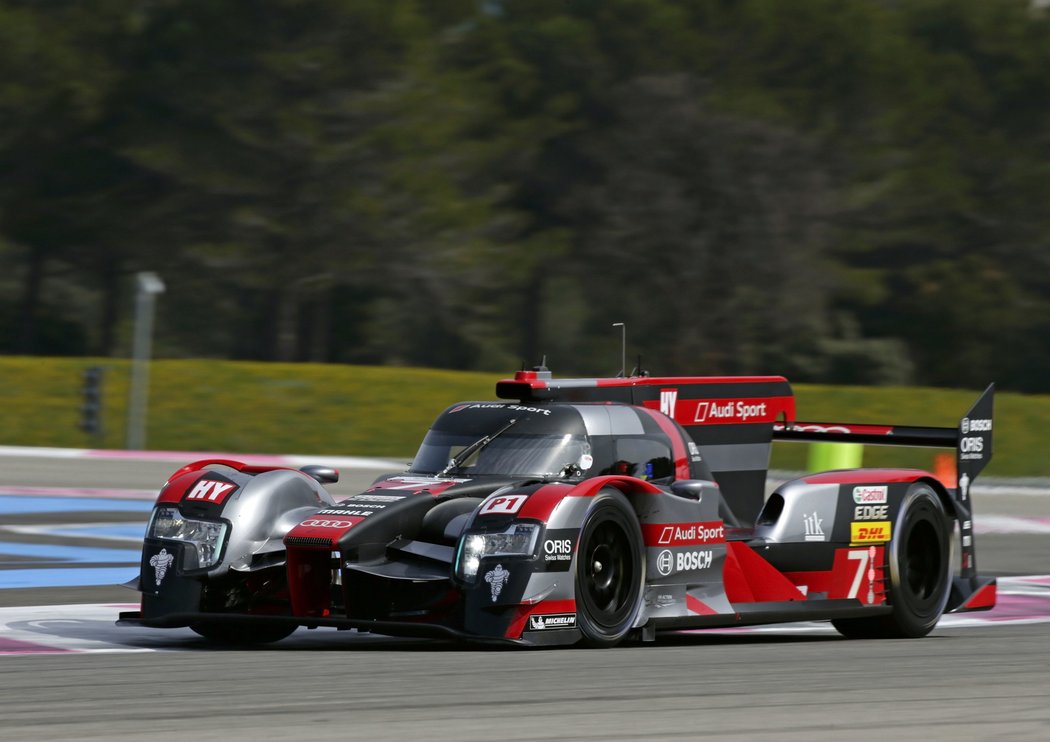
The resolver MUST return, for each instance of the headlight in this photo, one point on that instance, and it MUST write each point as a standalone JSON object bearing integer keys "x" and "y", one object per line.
{"x": 518, "y": 540}
{"x": 206, "y": 536}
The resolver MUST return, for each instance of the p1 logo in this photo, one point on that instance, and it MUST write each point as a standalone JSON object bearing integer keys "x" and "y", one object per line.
{"x": 503, "y": 505}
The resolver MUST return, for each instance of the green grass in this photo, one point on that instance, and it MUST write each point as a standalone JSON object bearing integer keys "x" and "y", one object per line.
{"x": 231, "y": 406}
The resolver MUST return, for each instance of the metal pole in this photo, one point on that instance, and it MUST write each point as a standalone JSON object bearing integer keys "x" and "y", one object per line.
{"x": 623, "y": 347}
{"x": 148, "y": 286}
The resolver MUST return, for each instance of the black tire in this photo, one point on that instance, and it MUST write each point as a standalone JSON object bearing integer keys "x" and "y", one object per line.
{"x": 609, "y": 571}
{"x": 243, "y": 634}
{"x": 920, "y": 572}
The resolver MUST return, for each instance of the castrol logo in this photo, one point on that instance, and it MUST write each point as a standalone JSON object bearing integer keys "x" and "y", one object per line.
{"x": 870, "y": 495}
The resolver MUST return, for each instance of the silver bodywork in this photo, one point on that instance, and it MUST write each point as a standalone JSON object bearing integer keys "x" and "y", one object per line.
{"x": 262, "y": 510}
{"x": 808, "y": 514}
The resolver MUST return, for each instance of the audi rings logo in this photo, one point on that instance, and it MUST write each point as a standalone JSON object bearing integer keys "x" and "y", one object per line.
{"x": 328, "y": 523}
{"x": 664, "y": 562}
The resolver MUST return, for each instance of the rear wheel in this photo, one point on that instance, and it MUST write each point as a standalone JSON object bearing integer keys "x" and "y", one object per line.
{"x": 243, "y": 634}
{"x": 920, "y": 571}
{"x": 609, "y": 571}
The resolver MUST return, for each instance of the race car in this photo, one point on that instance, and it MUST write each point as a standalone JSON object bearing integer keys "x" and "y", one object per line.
{"x": 577, "y": 511}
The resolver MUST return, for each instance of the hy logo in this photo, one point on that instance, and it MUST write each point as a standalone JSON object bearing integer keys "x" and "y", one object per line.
{"x": 210, "y": 490}
{"x": 668, "y": 400}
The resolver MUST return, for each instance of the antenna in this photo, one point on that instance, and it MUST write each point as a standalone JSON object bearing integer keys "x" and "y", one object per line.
{"x": 623, "y": 346}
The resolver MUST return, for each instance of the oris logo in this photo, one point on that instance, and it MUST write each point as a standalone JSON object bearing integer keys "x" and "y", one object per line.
{"x": 973, "y": 444}
{"x": 558, "y": 546}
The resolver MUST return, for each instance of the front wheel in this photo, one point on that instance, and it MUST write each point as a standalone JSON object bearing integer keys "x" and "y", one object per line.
{"x": 920, "y": 571}
{"x": 609, "y": 571}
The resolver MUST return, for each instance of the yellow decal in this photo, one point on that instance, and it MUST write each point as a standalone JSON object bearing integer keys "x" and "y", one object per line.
{"x": 877, "y": 532}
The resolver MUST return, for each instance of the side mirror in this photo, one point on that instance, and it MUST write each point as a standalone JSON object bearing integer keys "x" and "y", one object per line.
{"x": 694, "y": 489}
{"x": 323, "y": 474}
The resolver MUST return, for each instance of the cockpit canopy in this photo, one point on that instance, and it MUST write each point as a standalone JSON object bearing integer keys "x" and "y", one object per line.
{"x": 551, "y": 441}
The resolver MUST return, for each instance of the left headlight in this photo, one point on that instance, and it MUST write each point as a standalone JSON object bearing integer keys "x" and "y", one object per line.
{"x": 518, "y": 540}
{"x": 207, "y": 536}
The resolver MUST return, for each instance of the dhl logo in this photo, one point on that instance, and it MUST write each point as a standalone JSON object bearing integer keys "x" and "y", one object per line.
{"x": 869, "y": 533}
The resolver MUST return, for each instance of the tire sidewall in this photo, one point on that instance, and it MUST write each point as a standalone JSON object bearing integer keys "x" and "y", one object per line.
{"x": 914, "y": 615}
{"x": 610, "y": 506}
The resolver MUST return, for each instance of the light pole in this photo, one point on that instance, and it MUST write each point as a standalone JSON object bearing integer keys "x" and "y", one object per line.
{"x": 148, "y": 285}
{"x": 623, "y": 345}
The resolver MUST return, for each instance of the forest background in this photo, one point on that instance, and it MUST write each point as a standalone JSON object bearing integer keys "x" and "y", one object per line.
{"x": 845, "y": 191}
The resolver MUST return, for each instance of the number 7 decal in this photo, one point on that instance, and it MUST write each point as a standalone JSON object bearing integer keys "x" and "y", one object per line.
{"x": 861, "y": 557}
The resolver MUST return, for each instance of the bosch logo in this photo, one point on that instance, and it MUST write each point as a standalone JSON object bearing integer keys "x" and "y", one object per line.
{"x": 690, "y": 560}
{"x": 328, "y": 523}
{"x": 663, "y": 562}
{"x": 975, "y": 425}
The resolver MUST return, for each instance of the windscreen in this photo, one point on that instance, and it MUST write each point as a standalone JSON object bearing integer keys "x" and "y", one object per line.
{"x": 542, "y": 442}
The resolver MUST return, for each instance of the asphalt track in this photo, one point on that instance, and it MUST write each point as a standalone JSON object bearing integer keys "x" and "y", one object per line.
{"x": 69, "y": 673}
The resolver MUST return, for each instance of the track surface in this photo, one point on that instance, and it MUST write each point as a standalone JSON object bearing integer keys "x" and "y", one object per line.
{"x": 979, "y": 676}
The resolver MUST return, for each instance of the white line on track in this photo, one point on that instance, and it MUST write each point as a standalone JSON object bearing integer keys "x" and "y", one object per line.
{"x": 61, "y": 629}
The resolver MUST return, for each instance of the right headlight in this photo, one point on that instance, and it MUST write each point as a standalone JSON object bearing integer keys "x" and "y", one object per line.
{"x": 206, "y": 536}
{"x": 518, "y": 540}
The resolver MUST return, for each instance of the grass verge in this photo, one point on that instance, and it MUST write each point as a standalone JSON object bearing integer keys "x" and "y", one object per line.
{"x": 198, "y": 405}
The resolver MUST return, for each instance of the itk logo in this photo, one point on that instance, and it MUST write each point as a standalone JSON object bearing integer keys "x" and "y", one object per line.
{"x": 210, "y": 490}
{"x": 812, "y": 524}
{"x": 160, "y": 562}
{"x": 497, "y": 578}
{"x": 668, "y": 400}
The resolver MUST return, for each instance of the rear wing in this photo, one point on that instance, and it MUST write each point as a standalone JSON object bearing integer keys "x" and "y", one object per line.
{"x": 971, "y": 439}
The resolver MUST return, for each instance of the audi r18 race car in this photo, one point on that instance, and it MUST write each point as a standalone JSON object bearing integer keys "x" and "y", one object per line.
{"x": 577, "y": 510}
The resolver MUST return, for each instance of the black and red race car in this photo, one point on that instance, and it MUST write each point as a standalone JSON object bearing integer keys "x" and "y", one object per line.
{"x": 578, "y": 510}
